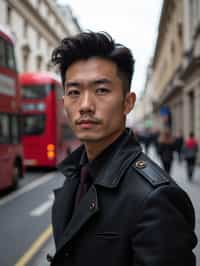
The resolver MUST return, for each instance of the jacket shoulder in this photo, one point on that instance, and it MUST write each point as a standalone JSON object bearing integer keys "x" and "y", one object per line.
{"x": 150, "y": 171}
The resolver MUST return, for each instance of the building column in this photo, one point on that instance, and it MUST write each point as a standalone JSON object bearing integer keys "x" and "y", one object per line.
{"x": 187, "y": 25}
{"x": 197, "y": 111}
{"x": 3, "y": 8}
{"x": 186, "y": 115}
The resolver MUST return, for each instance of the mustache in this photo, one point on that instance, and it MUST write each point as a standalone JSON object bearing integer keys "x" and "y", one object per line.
{"x": 87, "y": 119}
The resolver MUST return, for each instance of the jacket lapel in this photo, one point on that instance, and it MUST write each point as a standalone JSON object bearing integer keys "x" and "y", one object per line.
{"x": 63, "y": 207}
{"x": 87, "y": 207}
{"x": 108, "y": 176}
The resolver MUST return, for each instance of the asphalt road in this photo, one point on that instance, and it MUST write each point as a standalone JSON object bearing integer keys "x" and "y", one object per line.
{"x": 25, "y": 214}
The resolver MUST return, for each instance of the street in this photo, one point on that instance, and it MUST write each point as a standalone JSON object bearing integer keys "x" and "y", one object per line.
{"x": 25, "y": 215}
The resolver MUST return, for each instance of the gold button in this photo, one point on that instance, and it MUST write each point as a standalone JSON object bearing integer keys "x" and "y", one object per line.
{"x": 92, "y": 205}
{"x": 140, "y": 164}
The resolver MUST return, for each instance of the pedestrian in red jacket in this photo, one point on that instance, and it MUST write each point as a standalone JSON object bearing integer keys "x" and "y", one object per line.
{"x": 190, "y": 151}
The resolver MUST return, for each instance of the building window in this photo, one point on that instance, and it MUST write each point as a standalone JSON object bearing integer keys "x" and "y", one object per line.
{"x": 192, "y": 111}
{"x": 38, "y": 63}
{"x": 172, "y": 48}
{"x": 25, "y": 55}
{"x": 49, "y": 66}
{"x": 180, "y": 30}
{"x": 25, "y": 29}
{"x": 9, "y": 15}
{"x": 38, "y": 40}
{"x": 25, "y": 62}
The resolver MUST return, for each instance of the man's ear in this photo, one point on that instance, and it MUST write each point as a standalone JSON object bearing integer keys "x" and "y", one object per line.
{"x": 129, "y": 103}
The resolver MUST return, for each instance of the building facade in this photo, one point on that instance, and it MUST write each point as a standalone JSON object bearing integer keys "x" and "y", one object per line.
{"x": 175, "y": 73}
{"x": 191, "y": 68}
{"x": 38, "y": 27}
{"x": 167, "y": 63}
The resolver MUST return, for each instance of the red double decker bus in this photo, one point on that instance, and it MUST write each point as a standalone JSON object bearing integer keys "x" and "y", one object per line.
{"x": 11, "y": 150}
{"x": 47, "y": 138}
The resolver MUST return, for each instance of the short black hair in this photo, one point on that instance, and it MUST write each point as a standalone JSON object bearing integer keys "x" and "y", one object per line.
{"x": 94, "y": 44}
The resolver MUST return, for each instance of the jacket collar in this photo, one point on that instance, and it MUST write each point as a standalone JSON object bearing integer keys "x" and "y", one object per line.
{"x": 113, "y": 168}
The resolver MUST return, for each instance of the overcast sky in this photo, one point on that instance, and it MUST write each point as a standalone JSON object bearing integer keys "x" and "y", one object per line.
{"x": 133, "y": 23}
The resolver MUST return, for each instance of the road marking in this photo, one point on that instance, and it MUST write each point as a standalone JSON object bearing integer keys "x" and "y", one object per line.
{"x": 27, "y": 188}
{"x": 41, "y": 209}
{"x": 23, "y": 261}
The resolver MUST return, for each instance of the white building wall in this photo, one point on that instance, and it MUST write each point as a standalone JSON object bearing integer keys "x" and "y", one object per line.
{"x": 39, "y": 20}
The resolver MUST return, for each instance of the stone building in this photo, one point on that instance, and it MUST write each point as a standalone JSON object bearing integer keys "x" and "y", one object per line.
{"x": 191, "y": 68}
{"x": 143, "y": 110}
{"x": 38, "y": 26}
{"x": 176, "y": 65}
{"x": 167, "y": 61}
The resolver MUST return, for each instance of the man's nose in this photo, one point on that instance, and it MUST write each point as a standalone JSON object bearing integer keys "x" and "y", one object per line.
{"x": 87, "y": 102}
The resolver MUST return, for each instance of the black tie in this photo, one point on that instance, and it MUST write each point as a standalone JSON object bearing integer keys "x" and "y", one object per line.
{"x": 85, "y": 182}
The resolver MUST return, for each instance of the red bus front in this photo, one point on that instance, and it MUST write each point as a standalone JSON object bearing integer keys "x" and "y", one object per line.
{"x": 11, "y": 152}
{"x": 44, "y": 123}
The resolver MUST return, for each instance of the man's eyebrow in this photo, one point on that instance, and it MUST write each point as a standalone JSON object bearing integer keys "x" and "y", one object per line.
{"x": 101, "y": 81}
{"x": 92, "y": 82}
{"x": 72, "y": 84}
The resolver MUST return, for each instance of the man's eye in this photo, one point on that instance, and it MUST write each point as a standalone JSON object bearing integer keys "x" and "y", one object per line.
{"x": 73, "y": 93}
{"x": 102, "y": 90}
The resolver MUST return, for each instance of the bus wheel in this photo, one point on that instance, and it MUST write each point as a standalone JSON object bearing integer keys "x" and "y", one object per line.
{"x": 16, "y": 175}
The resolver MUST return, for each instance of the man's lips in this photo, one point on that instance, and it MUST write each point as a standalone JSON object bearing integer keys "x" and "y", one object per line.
{"x": 87, "y": 123}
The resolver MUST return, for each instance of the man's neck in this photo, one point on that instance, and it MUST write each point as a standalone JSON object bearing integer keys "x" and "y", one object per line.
{"x": 93, "y": 149}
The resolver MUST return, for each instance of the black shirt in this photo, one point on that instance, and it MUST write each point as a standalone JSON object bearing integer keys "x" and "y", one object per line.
{"x": 95, "y": 165}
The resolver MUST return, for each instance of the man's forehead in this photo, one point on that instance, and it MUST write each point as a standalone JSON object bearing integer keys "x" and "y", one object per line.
{"x": 91, "y": 69}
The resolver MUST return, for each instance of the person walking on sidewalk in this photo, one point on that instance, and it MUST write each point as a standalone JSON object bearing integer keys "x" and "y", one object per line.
{"x": 116, "y": 206}
{"x": 166, "y": 148}
{"x": 190, "y": 151}
{"x": 179, "y": 145}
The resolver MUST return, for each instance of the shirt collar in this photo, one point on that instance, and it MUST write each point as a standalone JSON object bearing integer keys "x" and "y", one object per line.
{"x": 95, "y": 165}
{"x": 109, "y": 167}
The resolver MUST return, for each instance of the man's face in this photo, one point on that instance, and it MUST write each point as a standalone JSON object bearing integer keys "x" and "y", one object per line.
{"x": 94, "y": 100}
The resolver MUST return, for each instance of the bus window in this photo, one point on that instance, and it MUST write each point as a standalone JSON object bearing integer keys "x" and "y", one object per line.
{"x": 33, "y": 124}
{"x": 4, "y": 129}
{"x": 2, "y": 52}
{"x": 10, "y": 57}
{"x": 35, "y": 91}
{"x": 15, "y": 130}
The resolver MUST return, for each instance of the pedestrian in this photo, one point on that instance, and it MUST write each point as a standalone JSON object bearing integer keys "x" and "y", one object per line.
{"x": 166, "y": 148}
{"x": 147, "y": 139}
{"x": 116, "y": 207}
{"x": 190, "y": 151}
{"x": 179, "y": 145}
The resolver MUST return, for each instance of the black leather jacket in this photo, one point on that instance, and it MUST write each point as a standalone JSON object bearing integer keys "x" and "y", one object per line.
{"x": 133, "y": 215}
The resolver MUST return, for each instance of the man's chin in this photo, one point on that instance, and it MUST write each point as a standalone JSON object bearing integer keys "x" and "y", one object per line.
{"x": 88, "y": 137}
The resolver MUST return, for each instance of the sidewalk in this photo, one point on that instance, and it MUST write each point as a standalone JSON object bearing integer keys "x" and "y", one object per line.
{"x": 179, "y": 174}
{"x": 192, "y": 188}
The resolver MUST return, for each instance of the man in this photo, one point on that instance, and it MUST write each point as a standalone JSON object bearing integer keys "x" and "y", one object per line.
{"x": 132, "y": 212}
{"x": 190, "y": 151}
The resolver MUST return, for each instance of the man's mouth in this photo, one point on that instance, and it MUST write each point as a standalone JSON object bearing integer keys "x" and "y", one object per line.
{"x": 87, "y": 123}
